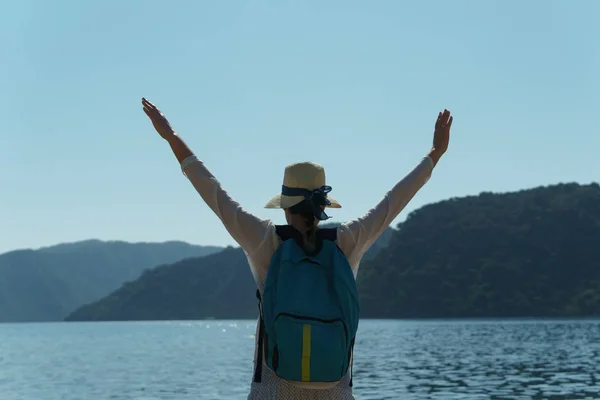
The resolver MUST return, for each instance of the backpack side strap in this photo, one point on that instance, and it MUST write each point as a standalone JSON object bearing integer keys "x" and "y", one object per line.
{"x": 261, "y": 334}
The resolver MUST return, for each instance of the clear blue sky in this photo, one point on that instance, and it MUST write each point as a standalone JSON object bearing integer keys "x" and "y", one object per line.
{"x": 254, "y": 85}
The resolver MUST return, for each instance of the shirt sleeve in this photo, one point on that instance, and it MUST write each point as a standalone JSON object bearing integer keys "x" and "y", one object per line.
{"x": 356, "y": 237}
{"x": 248, "y": 230}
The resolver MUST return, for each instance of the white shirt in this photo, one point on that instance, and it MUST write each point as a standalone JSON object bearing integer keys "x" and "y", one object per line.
{"x": 257, "y": 236}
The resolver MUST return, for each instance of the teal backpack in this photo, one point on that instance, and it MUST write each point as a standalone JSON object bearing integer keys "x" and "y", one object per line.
{"x": 309, "y": 311}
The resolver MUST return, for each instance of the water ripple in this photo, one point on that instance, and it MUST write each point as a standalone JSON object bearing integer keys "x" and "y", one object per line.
{"x": 213, "y": 360}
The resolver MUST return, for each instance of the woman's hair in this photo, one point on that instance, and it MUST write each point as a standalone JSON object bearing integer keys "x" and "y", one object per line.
{"x": 312, "y": 207}
{"x": 307, "y": 211}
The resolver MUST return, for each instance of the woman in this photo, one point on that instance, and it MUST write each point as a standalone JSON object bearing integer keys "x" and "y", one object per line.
{"x": 304, "y": 199}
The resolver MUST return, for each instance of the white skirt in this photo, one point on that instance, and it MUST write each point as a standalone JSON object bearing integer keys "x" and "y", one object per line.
{"x": 273, "y": 387}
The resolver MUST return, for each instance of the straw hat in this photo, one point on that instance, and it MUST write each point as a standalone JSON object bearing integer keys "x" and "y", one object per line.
{"x": 302, "y": 175}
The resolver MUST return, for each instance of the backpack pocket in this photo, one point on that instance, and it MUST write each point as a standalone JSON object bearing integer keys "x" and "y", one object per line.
{"x": 309, "y": 349}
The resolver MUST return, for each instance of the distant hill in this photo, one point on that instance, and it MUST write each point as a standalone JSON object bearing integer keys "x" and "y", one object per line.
{"x": 530, "y": 253}
{"x": 219, "y": 285}
{"x": 48, "y": 283}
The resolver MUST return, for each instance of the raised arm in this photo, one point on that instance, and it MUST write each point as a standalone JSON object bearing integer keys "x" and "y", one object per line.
{"x": 356, "y": 236}
{"x": 247, "y": 230}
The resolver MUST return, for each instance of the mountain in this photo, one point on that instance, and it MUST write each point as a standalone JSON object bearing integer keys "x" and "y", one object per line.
{"x": 219, "y": 285}
{"x": 48, "y": 283}
{"x": 529, "y": 253}
{"x": 532, "y": 253}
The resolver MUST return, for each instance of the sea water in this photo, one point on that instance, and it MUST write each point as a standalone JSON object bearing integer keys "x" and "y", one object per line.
{"x": 532, "y": 359}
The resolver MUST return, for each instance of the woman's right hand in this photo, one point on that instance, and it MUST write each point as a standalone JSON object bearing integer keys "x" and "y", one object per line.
{"x": 160, "y": 122}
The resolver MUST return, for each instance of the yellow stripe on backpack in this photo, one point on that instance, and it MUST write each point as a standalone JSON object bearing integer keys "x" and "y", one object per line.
{"x": 306, "y": 353}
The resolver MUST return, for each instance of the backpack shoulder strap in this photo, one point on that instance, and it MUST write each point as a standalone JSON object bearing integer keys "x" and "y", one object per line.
{"x": 327, "y": 234}
{"x": 286, "y": 232}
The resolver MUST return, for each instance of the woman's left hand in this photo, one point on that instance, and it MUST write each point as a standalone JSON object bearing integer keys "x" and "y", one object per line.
{"x": 441, "y": 135}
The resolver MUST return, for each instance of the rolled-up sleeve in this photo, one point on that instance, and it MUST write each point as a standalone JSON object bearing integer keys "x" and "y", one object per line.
{"x": 356, "y": 237}
{"x": 248, "y": 230}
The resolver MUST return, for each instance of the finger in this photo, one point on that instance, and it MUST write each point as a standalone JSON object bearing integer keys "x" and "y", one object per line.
{"x": 438, "y": 121}
{"x": 148, "y": 104}
{"x": 445, "y": 117}
{"x": 450, "y": 122}
{"x": 150, "y": 112}
{"x": 153, "y": 112}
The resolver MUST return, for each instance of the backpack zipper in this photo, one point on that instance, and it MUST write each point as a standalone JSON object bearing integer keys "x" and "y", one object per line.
{"x": 323, "y": 320}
